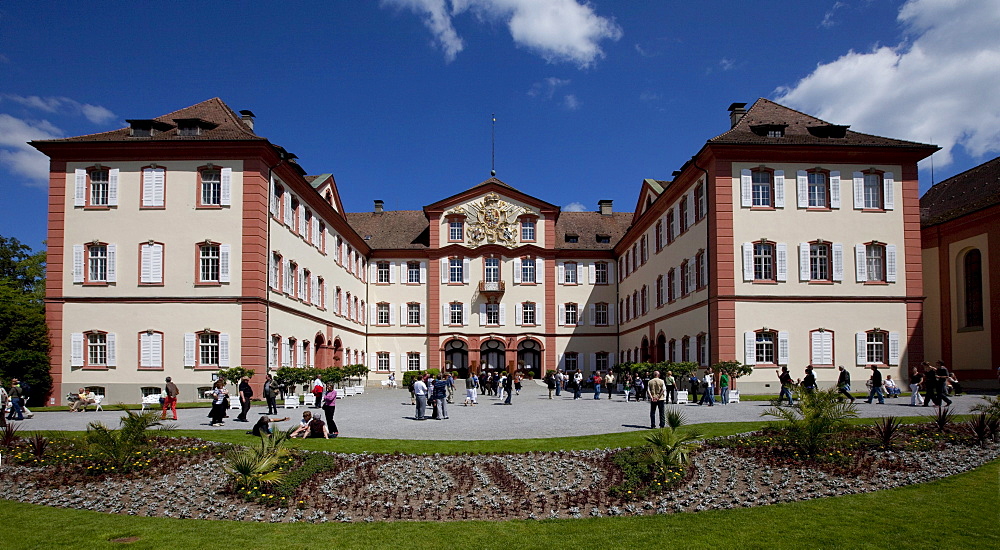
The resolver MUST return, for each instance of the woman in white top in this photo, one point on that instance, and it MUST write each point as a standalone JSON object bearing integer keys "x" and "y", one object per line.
{"x": 219, "y": 395}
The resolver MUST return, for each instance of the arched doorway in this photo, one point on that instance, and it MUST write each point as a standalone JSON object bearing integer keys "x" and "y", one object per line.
{"x": 644, "y": 353}
{"x": 492, "y": 355}
{"x": 457, "y": 353}
{"x": 661, "y": 348}
{"x": 338, "y": 353}
{"x": 320, "y": 352}
{"x": 529, "y": 357}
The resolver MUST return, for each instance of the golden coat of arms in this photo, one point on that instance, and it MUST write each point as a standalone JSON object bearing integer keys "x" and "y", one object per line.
{"x": 491, "y": 221}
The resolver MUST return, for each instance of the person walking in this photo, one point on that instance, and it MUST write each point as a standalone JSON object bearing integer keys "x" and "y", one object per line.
{"x": 517, "y": 383}
{"x": 271, "y": 395}
{"x": 657, "y": 392}
{"x": 219, "y": 397}
{"x": 693, "y": 386}
{"x": 470, "y": 390}
{"x": 844, "y": 383}
{"x": 4, "y": 399}
{"x": 317, "y": 391}
{"x": 915, "y": 378}
{"x": 724, "y": 387}
{"x": 330, "y": 407}
{"x": 16, "y": 401}
{"x": 809, "y": 381}
{"x": 170, "y": 401}
{"x": 550, "y": 382}
{"x": 246, "y": 396}
{"x": 785, "y": 380}
{"x": 709, "y": 387}
{"x": 420, "y": 394}
{"x": 609, "y": 384}
{"x": 597, "y": 385}
{"x": 508, "y": 386}
{"x": 559, "y": 382}
{"x": 451, "y": 388}
{"x": 577, "y": 385}
{"x": 440, "y": 395}
{"x": 930, "y": 385}
{"x": 941, "y": 388}
{"x": 876, "y": 380}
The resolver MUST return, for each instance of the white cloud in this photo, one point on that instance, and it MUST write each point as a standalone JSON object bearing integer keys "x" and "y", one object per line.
{"x": 828, "y": 18}
{"x": 571, "y": 102}
{"x": 725, "y": 63}
{"x": 545, "y": 89}
{"x": 574, "y": 207}
{"x": 939, "y": 85}
{"x": 94, "y": 113}
{"x": 17, "y": 155}
{"x": 649, "y": 95}
{"x": 557, "y": 30}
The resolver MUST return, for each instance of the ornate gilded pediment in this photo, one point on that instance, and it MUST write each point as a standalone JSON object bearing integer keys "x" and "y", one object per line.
{"x": 491, "y": 220}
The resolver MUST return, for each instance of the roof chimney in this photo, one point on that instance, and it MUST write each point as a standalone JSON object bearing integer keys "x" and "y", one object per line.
{"x": 736, "y": 112}
{"x": 378, "y": 206}
{"x": 247, "y": 117}
{"x": 605, "y": 207}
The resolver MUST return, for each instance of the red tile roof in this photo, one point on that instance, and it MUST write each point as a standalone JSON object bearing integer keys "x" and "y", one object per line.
{"x": 975, "y": 189}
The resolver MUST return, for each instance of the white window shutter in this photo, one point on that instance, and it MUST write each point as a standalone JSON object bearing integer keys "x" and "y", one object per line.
{"x": 392, "y": 314}
{"x": 890, "y": 263}
{"x": 423, "y": 361}
{"x": 561, "y": 273}
{"x": 314, "y": 231}
{"x": 112, "y": 360}
{"x": 287, "y": 209}
{"x": 224, "y": 263}
{"x": 189, "y": 349}
{"x": 444, "y": 271}
{"x": 271, "y": 359}
{"x": 692, "y": 277}
{"x": 677, "y": 353}
{"x": 611, "y": 314}
{"x": 286, "y": 277}
{"x": 747, "y": 261}
{"x": 749, "y": 348}
{"x": 861, "y": 348}
{"x": 893, "y": 348}
{"x": 517, "y": 271}
{"x": 861, "y": 268}
{"x": 465, "y": 314}
{"x": 482, "y": 315}
{"x": 888, "y": 187}
{"x": 326, "y": 240}
{"x": 828, "y": 348}
{"x": 816, "y": 347}
{"x": 539, "y": 271}
{"x": 705, "y": 351}
{"x": 518, "y": 314}
{"x": 690, "y": 210}
{"x": 392, "y": 273}
{"x": 835, "y": 189}
{"x": 838, "y": 262}
{"x": 156, "y": 350}
{"x": 145, "y": 351}
{"x": 746, "y": 188}
{"x": 503, "y": 315}
{"x": 779, "y": 188}
{"x": 404, "y": 317}
{"x": 677, "y": 290}
{"x": 782, "y": 348}
{"x": 286, "y": 355}
{"x": 579, "y": 316}
{"x": 158, "y": 181}
{"x": 561, "y": 315}
{"x": 76, "y": 350}
{"x": 802, "y": 188}
{"x": 465, "y": 270}
{"x": 673, "y": 227}
{"x": 373, "y": 313}
{"x": 593, "y": 314}
{"x": 147, "y": 187}
{"x": 314, "y": 285}
{"x": 611, "y": 271}
{"x": 302, "y": 219}
{"x": 273, "y": 206}
{"x": 113, "y": 187}
{"x": 112, "y": 263}
{"x": 579, "y": 274}
{"x": 423, "y": 272}
{"x": 226, "y": 195}
{"x": 804, "y": 274}
{"x": 80, "y": 193}
{"x": 423, "y": 315}
{"x": 224, "y": 350}
{"x": 373, "y": 271}
{"x": 156, "y": 264}
{"x": 445, "y": 314}
{"x": 859, "y": 191}
{"x": 591, "y": 273}
{"x": 782, "y": 261}
{"x": 77, "y": 263}
{"x": 145, "y": 263}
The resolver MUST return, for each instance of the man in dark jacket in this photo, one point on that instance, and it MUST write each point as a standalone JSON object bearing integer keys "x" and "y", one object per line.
{"x": 876, "y": 380}
{"x": 440, "y": 396}
{"x": 508, "y": 386}
{"x": 246, "y": 395}
{"x": 844, "y": 383}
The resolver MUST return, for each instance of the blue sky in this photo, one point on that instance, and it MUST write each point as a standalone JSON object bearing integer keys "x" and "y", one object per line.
{"x": 394, "y": 97}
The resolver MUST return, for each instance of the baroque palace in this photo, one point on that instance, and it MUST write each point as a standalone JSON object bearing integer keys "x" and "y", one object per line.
{"x": 187, "y": 243}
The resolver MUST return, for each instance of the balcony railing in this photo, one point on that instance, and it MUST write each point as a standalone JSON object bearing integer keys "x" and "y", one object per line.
{"x": 485, "y": 286}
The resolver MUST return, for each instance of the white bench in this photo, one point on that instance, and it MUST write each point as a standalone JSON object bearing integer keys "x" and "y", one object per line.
{"x": 359, "y": 389}
{"x": 152, "y": 399}
{"x": 682, "y": 397}
{"x": 734, "y": 396}
{"x": 98, "y": 399}
{"x": 292, "y": 401}
{"x": 234, "y": 402}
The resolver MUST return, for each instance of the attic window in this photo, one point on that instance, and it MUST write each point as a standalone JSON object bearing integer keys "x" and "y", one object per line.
{"x": 188, "y": 130}
{"x": 192, "y": 126}
{"x": 828, "y": 131}
{"x": 603, "y": 239}
{"x": 570, "y": 238}
{"x": 769, "y": 130}
{"x": 147, "y": 128}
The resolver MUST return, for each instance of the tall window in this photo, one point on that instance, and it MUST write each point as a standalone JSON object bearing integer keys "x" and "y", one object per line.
{"x": 973, "y": 266}
{"x": 601, "y": 359}
{"x": 686, "y": 348}
{"x": 685, "y": 277}
{"x": 382, "y": 314}
{"x": 528, "y": 270}
{"x": 601, "y": 273}
{"x": 455, "y": 230}
{"x": 382, "y": 361}
{"x": 875, "y": 347}
{"x": 699, "y": 202}
{"x": 702, "y": 345}
{"x": 761, "y": 188}
{"x": 875, "y": 262}
{"x": 211, "y": 187}
{"x": 601, "y": 314}
{"x": 208, "y": 349}
{"x": 644, "y": 297}
{"x": 492, "y": 270}
{"x": 413, "y": 314}
{"x": 382, "y": 272}
{"x": 700, "y": 271}
{"x": 819, "y": 262}
{"x": 571, "y": 314}
{"x": 97, "y": 263}
{"x": 570, "y": 273}
{"x": 97, "y": 349}
{"x": 818, "y": 190}
{"x": 413, "y": 361}
{"x": 670, "y": 226}
{"x": 208, "y": 262}
{"x": 682, "y": 213}
{"x": 527, "y": 230}
{"x": 671, "y": 285}
{"x": 659, "y": 291}
{"x": 672, "y": 350}
{"x": 99, "y": 185}
{"x": 413, "y": 273}
{"x": 571, "y": 361}
{"x": 321, "y": 292}
{"x": 763, "y": 261}
{"x": 644, "y": 250}
{"x": 528, "y": 314}
{"x": 635, "y": 303}
{"x": 456, "y": 314}
{"x": 492, "y": 314}
{"x": 765, "y": 347}
{"x": 658, "y": 239}
{"x": 455, "y": 272}
{"x": 873, "y": 191}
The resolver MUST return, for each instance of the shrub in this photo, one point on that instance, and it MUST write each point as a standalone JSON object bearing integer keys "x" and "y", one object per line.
{"x": 887, "y": 431}
{"x": 982, "y": 426}
{"x": 120, "y": 447}
{"x": 9, "y": 437}
{"x": 942, "y": 418}
{"x": 39, "y": 444}
{"x": 257, "y": 466}
{"x": 813, "y": 420}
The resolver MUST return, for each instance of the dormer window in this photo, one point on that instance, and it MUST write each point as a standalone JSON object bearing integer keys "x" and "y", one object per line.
{"x": 188, "y": 131}
{"x": 570, "y": 238}
{"x": 147, "y": 128}
{"x": 769, "y": 130}
{"x": 603, "y": 239}
{"x": 189, "y": 127}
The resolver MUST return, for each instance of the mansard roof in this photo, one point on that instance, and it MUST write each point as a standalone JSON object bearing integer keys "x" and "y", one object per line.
{"x": 798, "y": 129}
{"x": 975, "y": 189}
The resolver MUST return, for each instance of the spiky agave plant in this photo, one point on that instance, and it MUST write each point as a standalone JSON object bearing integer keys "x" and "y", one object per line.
{"x": 119, "y": 446}
{"x": 670, "y": 447}
{"x": 886, "y": 430}
{"x": 812, "y": 421}
{"x": 257, "y": 465}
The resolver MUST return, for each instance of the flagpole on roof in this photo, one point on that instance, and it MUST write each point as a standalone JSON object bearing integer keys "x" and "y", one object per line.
{"x": 493, "y": 146}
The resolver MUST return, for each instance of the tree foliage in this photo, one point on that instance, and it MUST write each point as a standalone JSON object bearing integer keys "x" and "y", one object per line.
{"x": 24, "y": 336}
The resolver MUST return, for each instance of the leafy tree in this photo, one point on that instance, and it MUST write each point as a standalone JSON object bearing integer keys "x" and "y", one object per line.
{"x": 734, "y": 368}
{"x": 24, "y": 336}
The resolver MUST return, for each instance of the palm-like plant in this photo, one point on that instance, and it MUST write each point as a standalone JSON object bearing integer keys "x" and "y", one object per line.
{"x": 886, "y": 429}
{"x": 811, "y": 422}
{"x": 119, "y": 446}
{"x": 257, "y": 465}
{"x": 670, "y": 448}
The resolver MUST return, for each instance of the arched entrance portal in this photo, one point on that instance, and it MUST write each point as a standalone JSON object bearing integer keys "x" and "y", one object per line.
{"x": 456, "y": 352}
{"x": 492, "y": 355}
{"x": 529, "y": 357}
{"x": 661, "y": 348}
{"x": 338, "y": 353}
{"x": 321, "y": 352}
{"x": 644, "y": 353}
